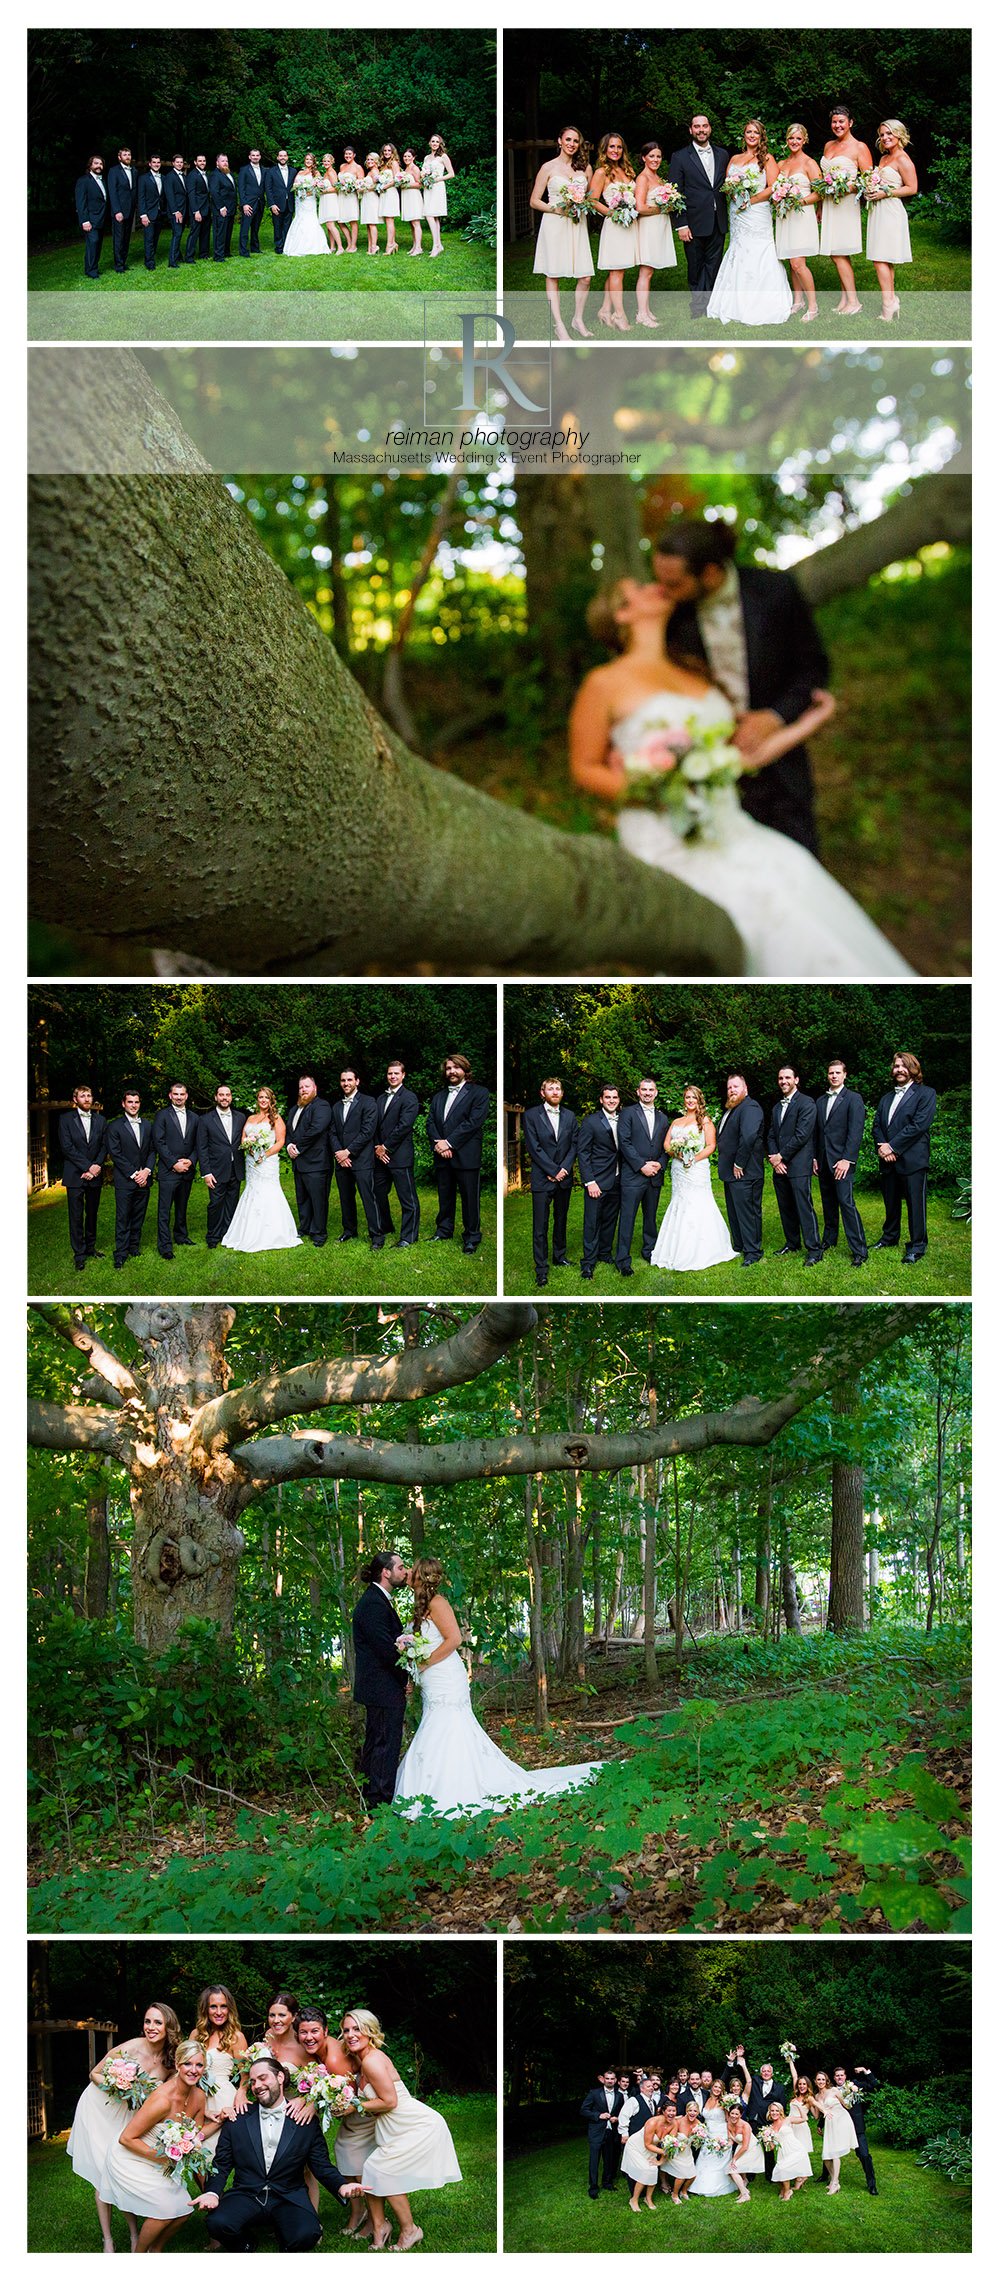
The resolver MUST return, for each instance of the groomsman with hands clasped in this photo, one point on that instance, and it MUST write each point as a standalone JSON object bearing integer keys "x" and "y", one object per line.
{"x": 550, "y": 1133}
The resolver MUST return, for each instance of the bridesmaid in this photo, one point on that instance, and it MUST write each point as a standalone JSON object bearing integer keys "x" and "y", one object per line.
{"x": 618, "y": 249}
{"x": 369, "y": 202}
{"x": 135, "y": 2174}
{"x": 840, "y": 223}
{"x": 796, "y": 236}
{"x": 413, "y": 2145}
{"x": 746, "y": 2155}
{"x": 791, "y": 2169}
{"x": 281, "y": 2039}
{"x": 217, "y": 2027}
{"x": 562, "y": 248}
{"x": 888, "y": 240}
{"x": 681, "y": 2167}
{"x": 98, "y": 2119}
{"x": 798, "y": 2115}
{"x": 329, "y": 204}
{"x": 412, "y": 200}
{"x": 839, "y": 2135}
{"x": 656, "y": 238}
{"x": 436, "y": 194}
{"x": 350, "y": 179}
{"x": 388, "y": 199}
{"x": 641, "y": 2159}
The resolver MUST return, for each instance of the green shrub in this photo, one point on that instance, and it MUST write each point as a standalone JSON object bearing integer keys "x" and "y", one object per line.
{"x": 481, "y": 229}
{"x": 473, "y": 191}
{"x": 951, "y": 199}
{"x": 905, "y": 2115}
{"x": 950, "y": 2152}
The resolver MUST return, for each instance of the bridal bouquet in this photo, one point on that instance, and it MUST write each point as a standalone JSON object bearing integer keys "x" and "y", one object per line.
{"x": 788, "y": 197}
{"x": 413, "y": 1651}
{"x": 790, "y": 2057}
{"x": 666, "y": 198}
{"x": 849, "y": 2094}
{"x": 188, "y": 2160}
{"x": 255, "y": 1145}
{"x": 740, "y": 188}
{"x": 768, "y": 2139}
{"x": 124, "y": 2080}
{"x": 839, "y": 179}
{"x": 684, "y": 769}
{"x": 729, "y": 2101}
{"x": 571, "y": 199}
{"x": 619, "y": 198}
{"x": 685, "y": 1149}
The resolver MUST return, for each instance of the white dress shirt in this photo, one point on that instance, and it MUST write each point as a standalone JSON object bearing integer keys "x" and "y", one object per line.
{"x": 895, "y": 1102}
{"x": 226, "y": 1117}
{"x": 84, "y": 1117}
{"x": 720, "y": 623}
{"x": 707, "y": 157}
{"x": 453, "y": 1094}
{"x": 272, "y": 2124}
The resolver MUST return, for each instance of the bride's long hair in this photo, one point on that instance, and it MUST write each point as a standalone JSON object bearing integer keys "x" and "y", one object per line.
{"x": 700, "y": 1105}
{"x": 762, "y": 149}
{"x": 269, "y": 1098}
{"x": 602, "y": 622}
{"x": 426, "y": 1579}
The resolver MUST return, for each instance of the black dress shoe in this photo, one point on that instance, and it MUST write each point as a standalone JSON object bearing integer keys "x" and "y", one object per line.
{"x": 95, "y": 1255}
{"x": 752, "y": 1263}
{"x": 829, "y": 1243}
{"x": 377, "y": 1243}
{"x": 343, "y": 1239}
{"x": 404, "y": 1244}
{"x": 541, "y": 1281}
{"x": 470, "y": 1248}
{"x": 884, "y": 1245}
{"x": 859, "y": 1259}
{"x": 79, "y": 1265}
{"x": 562, "y": 1263}
{"x": 165, "y": 1255}
{"x": 910, "y": 1259}
{"x": 586, "y": 1273}
{"x": 783, "y": 1248}
{"x": 624, "y": 1267}
{"x": 439, "y": 1239}
{"x": 319, "y": 1242}
{"x": 813, "y": 1260}
{"x": 184, "y": 1240}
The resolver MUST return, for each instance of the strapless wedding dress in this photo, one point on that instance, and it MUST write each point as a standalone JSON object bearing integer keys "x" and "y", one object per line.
{"x": 262, "y": 1221}
{"x": 692, "y": 1233}
{"x": 751, "y": 287}
{"x": 455, "y": 1764}
{"x": 306, "y": 235}
{"x": 793, "y": 917}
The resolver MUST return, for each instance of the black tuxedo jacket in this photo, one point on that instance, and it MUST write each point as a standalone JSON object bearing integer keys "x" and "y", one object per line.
{"x": 239, "y": 2150}
{"x": 222, "y": 1158}
{"x": 199, "y": 195}
{"x": 840, "y": 1134}
{"x": 796, "y": 1139}
{"x": 277, "y": 192}
{"x": 379, "y": 1677}
{"x": 150, "y": 196}
{"x": 222, "y": 191}
{"x": 597, "y": 2104}
{"x": 868, "y": 2085}
{"x": 357, "y": 1133}
{"x": 687, "y": 2099}
{"x": 741, "y": 1140}
{"x": 167, "y": 1137}
{"x": 175, "y": 192}
{"x": 758, "y": 2101}
{"x": 463, "y": 1130}
{"x": 251, "y": 192}
{"x": 786, "y": 659}
{"x": 311, "y": 1136}
{"x": 128, "y": 1156}
{"x": 121, "y": 192}
{"x": 394, "y": 1123}
{"x": 91, "y": 205}
{"x": 704, "y": 204}
{"x": 78, "y": 1154}
{"x": 910, "y": 1132}
{"x": 634, "y": 1143}
{"x": 546, "y": 1153}
{"x": 597, "y": 1151}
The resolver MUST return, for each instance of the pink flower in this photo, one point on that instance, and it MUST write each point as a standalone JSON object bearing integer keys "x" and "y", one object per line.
{"x": 662, "y": 749}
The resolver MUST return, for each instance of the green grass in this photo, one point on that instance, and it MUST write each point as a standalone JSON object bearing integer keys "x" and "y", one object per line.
{"x": 345, "y": 1270}
{"x": 946, "y": 1266}
{"x": 59, "y": 269}
{"x": 461, "y": 2219}
{"x": 547, "y": 2208}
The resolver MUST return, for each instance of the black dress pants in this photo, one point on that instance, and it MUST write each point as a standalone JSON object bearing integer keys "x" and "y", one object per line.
{"x": 222, "y": 1203}
{"x": 174, "y": 1191}
{"x": 241, "y": 2214}
{"x": 554, "y": 1198}
{"x": 703, "y": 257}
{"x": 404, "y": 1180}
{"x": 600, "y": 1223}
{"x": 744, "y": 1212}
{"x": 83, "y": 1201}
{"x": 312, "y": 1203}
{"x": 899, "y": 1188}
{"x": 636, "y": 1194}
{"x": 837, "y": 1198}
{"x": 351, "y": 1185}
{"x": 456, "y": 1182}
{"x": 131, "y": 1206}
{"x": 382, "y": 1750}
{"x": 793, "y": 1196}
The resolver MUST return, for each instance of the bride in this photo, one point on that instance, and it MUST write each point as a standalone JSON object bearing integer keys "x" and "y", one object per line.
{"x": 452, "y": 1761}
{"x": 751, "y": 287}
{"x": 307, "y": 235}
{"x": 692, "y": 1233}
{"x": 655, "y": 715}
{"x": 262, "y": 1221}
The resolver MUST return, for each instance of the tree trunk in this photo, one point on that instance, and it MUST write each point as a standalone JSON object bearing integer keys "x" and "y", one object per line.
{"x": 762, "y": 1564}
{"x": 935, "y": 507}
{"x": 789, "y": 1591}
{"x": 186, "y": 1545}
{"x": 97, "y": 1579}
{"x": 273, "y": 749}
{"x": 846, "y": 1607}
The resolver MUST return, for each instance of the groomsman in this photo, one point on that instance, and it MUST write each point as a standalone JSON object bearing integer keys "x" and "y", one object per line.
{"x": 600, "y": 2112}
{"x": 901, "y": 1133}
{"x": 223, "y": 195}
{"x": 151, "y": 205}
{"x": 83, "y": 1148}
{"x": 352, "y": 1139}
{"x": 597, "y": 1156}
{"x": 741, "y": 1169}
{"x": 790, "y": 1146}
{"x": 763, "y": 2089}
{"x": 699, "y": 170}
{"x": 398, "y": 1110}
{"x": 868, "y": 2086}
{"x": 199, "y": 206}
{"x": 642, "y": 1130}
{"x": 550, "y": 1132}
{"x": 636, "y": 2110}
{"x": 92, "y": 214}
{"x": 307, "y": 1146}
{"x": 379, "y": 1678}
{"x": 130, "y": 1148}
{"x": 280, "y": 197}
{"x": 689, "y": 2091}
{"x": 840, "y": 1125}
{"x": 455, "y": 1122}
{"x": 175, "y": 194}
{"x": 221, "y": 1160}
{"x": 251, "y": 197}
{"x": 121, "y": 200}
{"x": 175, "y": 1140}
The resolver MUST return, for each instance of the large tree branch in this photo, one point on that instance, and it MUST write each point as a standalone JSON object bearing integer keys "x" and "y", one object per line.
{"x": 404, "y": 1377}
{"x": 68, "y": 1324}
{"x": 936, "y": 507}
{"x": 74, "y": 1426}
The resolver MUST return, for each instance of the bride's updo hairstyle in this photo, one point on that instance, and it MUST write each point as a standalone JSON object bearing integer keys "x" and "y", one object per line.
{"x": 426, "y": 1578}
{"x": 762, "y": 149}
{"x": 700, "y": 1105}
{"x": 369, "y": 2024}
{"x": 204, "y": 2027}
{"x": 624, "y": 161}
{"x": 896, "y": 128}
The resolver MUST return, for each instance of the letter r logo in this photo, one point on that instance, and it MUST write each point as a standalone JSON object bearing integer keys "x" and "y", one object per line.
{"x": 491, "y": 357}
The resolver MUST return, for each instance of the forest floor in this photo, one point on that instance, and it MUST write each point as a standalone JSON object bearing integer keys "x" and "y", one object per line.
{"x": 813, "y": 1785}
{"x": 346, "y": 1271}
{"x": 461, "y": 2218}
{"x": 945, "y": 1268}
{"x": 546, "y": 2208}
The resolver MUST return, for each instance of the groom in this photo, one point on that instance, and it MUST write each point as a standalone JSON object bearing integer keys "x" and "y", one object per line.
{"x": 267, "y": 2153}
{"x": 221, "y": 1160}
{"x": 642, "y": 1130}
{"x": 380, "y": 1681}
{"x": 699, "y": 170}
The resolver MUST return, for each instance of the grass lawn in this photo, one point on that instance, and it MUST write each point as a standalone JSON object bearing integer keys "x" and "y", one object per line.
{"x": 547, "y": 2208}
{"x": 59, "y": 269}
{"x": 946, "y": 1266}
{"x": 344, "y": 1270}
{"x": 61, "y": 2214}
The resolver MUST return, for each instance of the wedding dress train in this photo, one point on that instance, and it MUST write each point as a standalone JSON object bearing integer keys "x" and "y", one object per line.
{"x": 455, "y": 1764}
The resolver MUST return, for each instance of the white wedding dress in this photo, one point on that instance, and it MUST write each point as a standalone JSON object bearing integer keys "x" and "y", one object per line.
{"x": 307, "y": 235}
{"x": 262, "y": 1221}
{"x": 692, "y": 1233}
{"x": 751, "y": 287}
{"x": 793, "y": 917}
{"x": 711, "y": 2171}
{"x": 455, "y": 1764}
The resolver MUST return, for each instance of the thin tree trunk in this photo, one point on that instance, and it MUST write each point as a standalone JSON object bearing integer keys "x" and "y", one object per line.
{"x": 97, "y": 1577}
{"x": 846, "y": 1607}
{"x": 762, "y": 1571}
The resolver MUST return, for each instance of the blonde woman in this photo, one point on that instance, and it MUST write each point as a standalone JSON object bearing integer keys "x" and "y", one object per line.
{"x": 888, "y": 241}
{"x": 792, "y": 2167}
{"x": 452, "y": 1762}
{"x": 751, "y": 287}
{"x": 562, "y": 247}
{"x": 746, "y": 2155}
{"x": 99, "y": 2118}
{"x": 389, "y": 173}
{"x": 412, "y": 202}
{"x": 355, "y": 2134}
{"x": 135, "y": 2176}
{"x": 369, "y": 202}
{"x": 329, "y": 203}
{"x": 839, "y": 2135}
{"x": 414, "y": 2150}
{"x": 796, "y": 233}
{"x": 217, "y": 2027}
{"x": 262, "y": 1221}
{"x": 436, "y": 172}
{"x": 692, "y": 1233}
{"x": 618, "y": 246}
